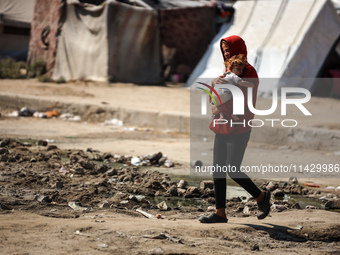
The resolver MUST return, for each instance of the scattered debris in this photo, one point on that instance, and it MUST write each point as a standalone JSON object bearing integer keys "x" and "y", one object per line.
{"x": 164, "y": 236}
{"x": 162, "y": 206}
{"x": 147, "y": 215}
{"x": 74, "y": 206}
{"x": 114, "y": 122}
{"x": 311, "y": 184}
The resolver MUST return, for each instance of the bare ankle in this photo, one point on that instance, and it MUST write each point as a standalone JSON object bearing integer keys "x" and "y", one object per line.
{"x": 220, "y": 212}
{"x": 261, "y": 197}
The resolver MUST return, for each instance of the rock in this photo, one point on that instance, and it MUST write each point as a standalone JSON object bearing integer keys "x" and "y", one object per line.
{"x": 310, "y": 207}
{"x": 208, "y": 193}
{"x": 296, "y": 206}
{"x": 153, "y": 184}
{"x": 42, "y": 143}
{"x": 211, "y": 200}
{"x": 278, "y": 193}
{"x": 296, "y": 190}
{"x": 107, "y": 155}
{"x": 4, "y": 207}
{"x": 155, "y": 158}
{"x": 330, "y": 195}
{"x": 162, "y": 160}
{"x": 3, "y": 158}
{"x": 86, "y": 164}
{"x": 333, "y": 204}
{"x": 292, "y": 180}
{"x": 102, "y": 168}
{"x": 77, "y": 169}
{"x": 172, "y": 191}
{"x": 59, "y": 185}
{"x": 51, "y": 147}
{"x": 211, "y": 209}
{"x": 254, "y": 247}
{"x": 304, "y": 191}
{"x": 279, "y": 208}
{"x": 182, "y": 184}
{"x": 272, "y": 186}
{"x": 165, "y": 184}
{"x": 162, "y": 206}
{"x": 181, "y": 192}
{"x": 168, "y": 163}
{"x": 206, "y": 184}
{"x": 246, "y": 210}
{"x": 5, "y": 142}
{"x": 188, "y": 195}
{"x": 42, "y": 198}
{"x": 193, "y": 190}
{"x": 3, "y": 151}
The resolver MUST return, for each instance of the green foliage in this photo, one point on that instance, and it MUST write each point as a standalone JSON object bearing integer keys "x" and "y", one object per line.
{"x": 61, "y": 80}
{"x": 36, "y": 68}
{"x": 11, "y": 69}
{"x": 111, "y": 79}
{"x": 44, "y": 78}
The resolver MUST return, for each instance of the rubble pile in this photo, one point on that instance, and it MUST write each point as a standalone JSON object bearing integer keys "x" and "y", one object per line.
{"x": 35, "y": 172}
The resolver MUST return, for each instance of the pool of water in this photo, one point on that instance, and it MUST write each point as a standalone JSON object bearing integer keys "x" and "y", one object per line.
{"x": 233, "y": 190}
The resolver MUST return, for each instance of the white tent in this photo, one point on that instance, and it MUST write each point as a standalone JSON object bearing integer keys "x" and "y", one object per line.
{"x": 284, "y": 38}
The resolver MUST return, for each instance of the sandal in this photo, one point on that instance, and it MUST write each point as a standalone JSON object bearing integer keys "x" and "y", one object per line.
{"x": 264, "y": 207}
{"x": 212, "y": 218}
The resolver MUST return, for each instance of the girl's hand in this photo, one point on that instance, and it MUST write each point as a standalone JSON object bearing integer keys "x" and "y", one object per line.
{"x": 218, "y": 80}
{"x": 216, "y": 109}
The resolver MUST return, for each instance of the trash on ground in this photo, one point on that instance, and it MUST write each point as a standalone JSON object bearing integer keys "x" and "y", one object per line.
{"x": 147, "y": 215}
{"x": 311, "y": 184}
{"x": 74, "y": 206}
{"x": 114, "y": 122}
{"x": 64, "y": 170}
{"x": 279, "y": 208}
{"x": 78, "y": 232}
{"x": 299, "y": 227}
{"x": 162, "y": 206}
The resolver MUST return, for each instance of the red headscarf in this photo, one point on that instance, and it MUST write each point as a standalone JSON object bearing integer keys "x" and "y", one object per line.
{"x": 237, "y": 46}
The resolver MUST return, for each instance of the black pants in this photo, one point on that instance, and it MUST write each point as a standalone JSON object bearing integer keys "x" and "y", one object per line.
{"x": 229, "y": 152}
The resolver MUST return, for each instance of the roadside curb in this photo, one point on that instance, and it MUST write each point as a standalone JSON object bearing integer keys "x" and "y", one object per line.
{"x": 312, "y": 138}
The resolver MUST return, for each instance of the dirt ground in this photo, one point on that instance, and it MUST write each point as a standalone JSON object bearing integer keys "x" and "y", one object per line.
{"x": 36, "y": 217}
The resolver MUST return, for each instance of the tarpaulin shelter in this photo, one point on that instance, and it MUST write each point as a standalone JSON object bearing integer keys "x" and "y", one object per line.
{"x": 101, "y": 40}
{"x": 284, "y": 38}
{"x": 15, "y": 23}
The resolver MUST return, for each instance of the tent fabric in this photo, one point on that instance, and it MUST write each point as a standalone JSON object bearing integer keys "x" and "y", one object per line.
{"x": 82, "y": 46}
{"x": 111, "y": 40}
{"x": 45, "y": 15}
{"x": 172, "y": 4}
{"x": 133, "y": 44}
{"x": 17, "y": 13}
{"x": 285, "y": 39}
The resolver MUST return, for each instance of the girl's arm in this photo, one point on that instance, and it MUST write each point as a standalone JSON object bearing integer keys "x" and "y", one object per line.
{"x": 244, "y": 83}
